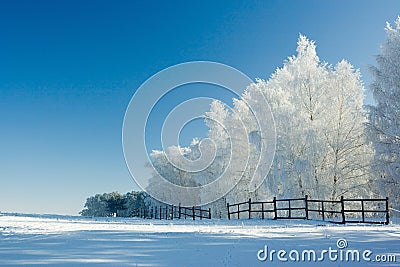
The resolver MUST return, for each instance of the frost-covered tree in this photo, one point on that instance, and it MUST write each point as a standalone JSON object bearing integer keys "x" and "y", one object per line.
{"x": 384, "y": 116}
{"x": 295, "y": 93}
{"x": 321, "y": 149}
{"x": 349, "y": 153}
{"x": 225, "y": 125}
{"x": 175, "y": 174}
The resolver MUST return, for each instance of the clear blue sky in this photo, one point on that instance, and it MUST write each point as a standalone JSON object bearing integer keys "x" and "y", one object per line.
{"x": 69, "y": 68}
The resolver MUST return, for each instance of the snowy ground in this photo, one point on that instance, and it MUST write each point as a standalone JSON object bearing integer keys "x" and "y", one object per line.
{"x": 75, "y": 241}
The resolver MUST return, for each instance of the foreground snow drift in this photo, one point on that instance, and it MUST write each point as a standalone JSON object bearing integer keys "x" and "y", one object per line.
{"x": 67, "y": 241}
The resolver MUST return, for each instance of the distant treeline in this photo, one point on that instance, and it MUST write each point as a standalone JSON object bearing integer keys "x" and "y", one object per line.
{"x": 114, "y": 204}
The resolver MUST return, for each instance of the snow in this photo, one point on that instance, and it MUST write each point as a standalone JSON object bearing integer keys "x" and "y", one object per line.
{"x": 55, "y": 240}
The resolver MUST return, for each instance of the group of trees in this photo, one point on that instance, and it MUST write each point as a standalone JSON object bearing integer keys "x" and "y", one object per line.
{"x": 328, "y": 142}
{"x": 321, "y": 147}
{"x": 114, "y": 204}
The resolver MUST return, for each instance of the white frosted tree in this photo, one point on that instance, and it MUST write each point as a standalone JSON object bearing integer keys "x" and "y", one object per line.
{"x": 177, "y": 175}
{"x": 296, "y": 94}
{"x": 321, "y": 146}
{"x": 384, "y": 116}
{"x": 349, "y": 154}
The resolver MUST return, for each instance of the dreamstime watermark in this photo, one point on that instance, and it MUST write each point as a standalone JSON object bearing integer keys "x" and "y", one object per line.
{"x": 146, "y": 97}
{"x": 339, "y": 253}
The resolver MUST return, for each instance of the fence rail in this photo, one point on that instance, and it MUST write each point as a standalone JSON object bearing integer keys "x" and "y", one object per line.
{"x": 169, "y": 212}
{"x": 374, "y": 211}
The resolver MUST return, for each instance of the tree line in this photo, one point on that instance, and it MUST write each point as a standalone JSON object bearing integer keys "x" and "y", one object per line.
{"x": 329, "y": 142}
{"x": 114, "y": 204}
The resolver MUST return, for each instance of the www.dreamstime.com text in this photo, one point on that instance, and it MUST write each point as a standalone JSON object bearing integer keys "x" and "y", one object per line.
{"x": 338, "y": 253}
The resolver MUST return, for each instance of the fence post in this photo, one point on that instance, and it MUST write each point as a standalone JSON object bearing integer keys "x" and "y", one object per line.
{"x": 229, "y": 214}
{"x": 179, "y": 211}
{"x": 306, "y": 206}
{"x": 160, "y": 212}
{"x": 262, "y": 210}
{"x": 275, "y": 211}
{"x": 249, "y": 208}
{"x": 323, "y": 211}
{"x": 387, "y": 211}
{"x": 362, "y": 211}
{"x": 194, "y": 213}
{"x": 290, "y": 210}
{"x": 209, "y": 213}
{"x": 343, "y": 213}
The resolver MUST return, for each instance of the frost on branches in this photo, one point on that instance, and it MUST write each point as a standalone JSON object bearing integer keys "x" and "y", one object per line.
{"x": 320, "y": 122}
{"x": 384, "y": 127}
{"x": 318, "y": 109}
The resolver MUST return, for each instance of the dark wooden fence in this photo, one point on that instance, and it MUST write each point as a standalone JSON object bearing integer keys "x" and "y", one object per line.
{"x": 157, "y": 212}
{"x": 194, "y": 212}
{"x": 168, "y": 212}
{"x": 343, "y": 211}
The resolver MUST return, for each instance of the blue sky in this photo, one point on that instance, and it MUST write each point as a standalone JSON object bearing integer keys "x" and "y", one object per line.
{"x": 68, "y": 70}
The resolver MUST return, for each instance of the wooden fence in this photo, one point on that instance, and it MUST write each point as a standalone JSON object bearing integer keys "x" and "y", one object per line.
{"x": 342, "y": 211}
{"x": 169, "y": 212}
{"x": 194, "y": 212}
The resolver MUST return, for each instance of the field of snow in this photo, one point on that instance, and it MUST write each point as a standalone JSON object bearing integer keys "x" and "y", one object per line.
{"x": 54, "y": 240}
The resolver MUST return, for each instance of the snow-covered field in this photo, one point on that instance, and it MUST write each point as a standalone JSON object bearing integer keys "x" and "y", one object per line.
{"x": 75, "y": 241}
